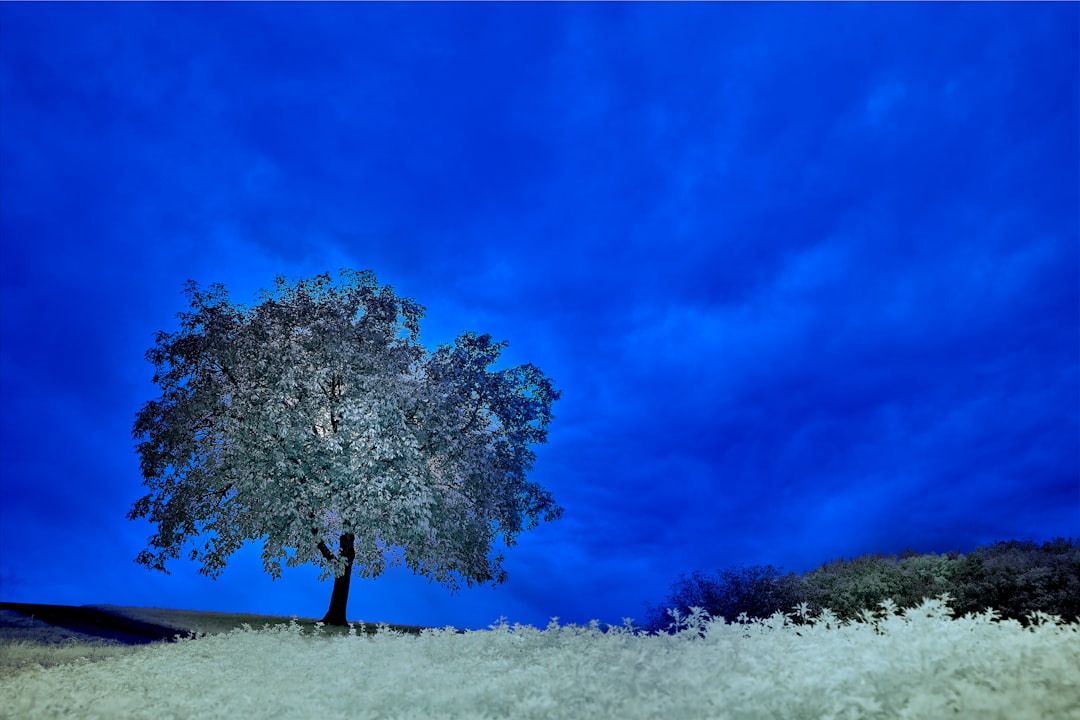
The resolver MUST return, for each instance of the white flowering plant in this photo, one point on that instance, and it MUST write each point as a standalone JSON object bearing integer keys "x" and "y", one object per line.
{"x": 919, "y": 663}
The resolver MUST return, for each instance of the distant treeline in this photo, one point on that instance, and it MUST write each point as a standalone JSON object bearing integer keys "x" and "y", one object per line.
{"x": 1015, "y": 578}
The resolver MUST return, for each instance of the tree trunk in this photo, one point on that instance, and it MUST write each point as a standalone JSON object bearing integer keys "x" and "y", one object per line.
{"x": 339, "y": 598}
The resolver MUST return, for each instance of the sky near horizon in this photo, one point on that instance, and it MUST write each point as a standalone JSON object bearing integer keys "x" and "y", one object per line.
{"x": 807, "y": 275}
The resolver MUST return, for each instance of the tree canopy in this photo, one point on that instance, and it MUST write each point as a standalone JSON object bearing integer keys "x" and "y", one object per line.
{"x": 316, "y": 422}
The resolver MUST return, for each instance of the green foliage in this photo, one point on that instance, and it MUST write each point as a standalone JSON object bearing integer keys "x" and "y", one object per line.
{"x": 926, "y": 576}
{"x": 1014, "y": 579}
{"x": 847, "y": 587}
{"x": 1018, "y": 578}
{"x": 755, "y": 591}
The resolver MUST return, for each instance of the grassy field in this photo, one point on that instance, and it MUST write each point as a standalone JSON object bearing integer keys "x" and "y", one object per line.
{"x": 214, "y": 623}
{"x": 28, "y": 642}
{"x": 913, "y": 665}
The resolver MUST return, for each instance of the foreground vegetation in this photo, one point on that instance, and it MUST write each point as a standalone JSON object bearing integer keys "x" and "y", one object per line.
{"x": 919, "y": 663}
{"x": 25, "y": 648}
{"x": 1008, "y": 647}
{"x": 20, "y": 654}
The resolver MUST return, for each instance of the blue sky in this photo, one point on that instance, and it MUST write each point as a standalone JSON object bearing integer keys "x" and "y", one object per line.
{"x": 807, "y": 275}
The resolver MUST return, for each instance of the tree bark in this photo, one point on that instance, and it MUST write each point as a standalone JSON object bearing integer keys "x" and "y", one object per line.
{"x": 339, "y": 598}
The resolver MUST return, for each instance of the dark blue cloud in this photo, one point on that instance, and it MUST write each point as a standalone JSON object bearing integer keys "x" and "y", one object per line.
{"x": 806, "y": 275}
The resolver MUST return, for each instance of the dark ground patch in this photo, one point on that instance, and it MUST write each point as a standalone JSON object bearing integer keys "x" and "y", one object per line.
{"x": 95, "y": 622}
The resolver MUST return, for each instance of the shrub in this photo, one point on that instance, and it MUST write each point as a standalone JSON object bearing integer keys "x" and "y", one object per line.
{"x": 756, "y": 591}
{"x": 926, "y": 576}
{"x": 1018, "y": 578}
{"x": 1015, "y": 578}
{"x": 849, "y": 586}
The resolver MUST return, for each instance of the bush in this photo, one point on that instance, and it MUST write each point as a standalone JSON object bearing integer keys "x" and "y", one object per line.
{"x": 1015, "y": 578}
{"x": 758, "y": 591}
{"x": 849, "y": 586}
{"x": 926, "y": 576}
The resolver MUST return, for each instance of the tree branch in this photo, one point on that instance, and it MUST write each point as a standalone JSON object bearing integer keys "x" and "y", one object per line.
{"x": 228, "y": 374}
{"x": 326, "y": 551}
{"x": 475, "y": 412}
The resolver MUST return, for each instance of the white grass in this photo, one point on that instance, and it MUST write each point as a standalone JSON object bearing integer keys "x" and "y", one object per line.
{"x": 18, "y": 655}
{"x": 920, "y": 664}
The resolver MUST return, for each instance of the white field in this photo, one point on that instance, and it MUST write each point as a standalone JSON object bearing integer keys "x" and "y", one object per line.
{"x": 919, "y": 664}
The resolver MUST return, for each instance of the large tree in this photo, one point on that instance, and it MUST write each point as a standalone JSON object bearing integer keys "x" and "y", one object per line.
{"x": 316, "y": 422}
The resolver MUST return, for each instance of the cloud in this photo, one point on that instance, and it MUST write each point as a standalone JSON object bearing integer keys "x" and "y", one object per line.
{"x": 883, "y": 101}
{"x": 805, "y": 275}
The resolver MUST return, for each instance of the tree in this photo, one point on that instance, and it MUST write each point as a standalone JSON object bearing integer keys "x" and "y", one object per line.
{"x": 317, "y": 423}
